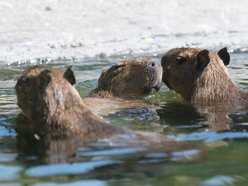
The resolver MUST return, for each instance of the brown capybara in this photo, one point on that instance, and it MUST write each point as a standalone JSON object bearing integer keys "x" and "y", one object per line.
{"x": 49, "y": 99}
{"x": 201, "y": 77}
{"x": 135, "y": 77}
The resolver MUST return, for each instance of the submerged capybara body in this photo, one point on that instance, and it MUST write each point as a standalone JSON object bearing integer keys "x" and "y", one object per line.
{"x": 135, "y": 77}
{"x": 201, "y": 77}
{"x": 49, "y": 99}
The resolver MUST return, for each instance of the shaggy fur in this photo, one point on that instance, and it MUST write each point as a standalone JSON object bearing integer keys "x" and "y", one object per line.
{"x": 48, "y": 98}
{"x": 200, "y": 76}
{"x": 136, "y": 77}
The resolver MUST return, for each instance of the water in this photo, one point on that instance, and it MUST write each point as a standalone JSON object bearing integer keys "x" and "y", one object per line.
{"x": 24, "y": 160}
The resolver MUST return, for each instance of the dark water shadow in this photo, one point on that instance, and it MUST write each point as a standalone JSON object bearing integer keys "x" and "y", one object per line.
{"x": 36, "y": 145}
{"x": 217, "y": 118}
{"x": 181, "y": 115}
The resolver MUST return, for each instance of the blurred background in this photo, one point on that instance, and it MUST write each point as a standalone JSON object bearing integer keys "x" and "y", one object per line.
{"x": 53, "y": 29}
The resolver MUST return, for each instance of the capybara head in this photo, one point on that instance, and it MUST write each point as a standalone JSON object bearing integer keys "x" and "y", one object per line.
{"x": 135, "y": 77}
{"x": 190, "y": 71}
{"x": 37, "y": 87}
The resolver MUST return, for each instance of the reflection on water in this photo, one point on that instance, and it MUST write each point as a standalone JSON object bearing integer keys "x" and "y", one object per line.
{"x": 78, "y": 183}
{"x": 10, "y": 172}
{"x": 29, "y": 159}
{"x": 180, "y": 115}
{"x": 67, "y": 168}
{"x": 211, "y": 136}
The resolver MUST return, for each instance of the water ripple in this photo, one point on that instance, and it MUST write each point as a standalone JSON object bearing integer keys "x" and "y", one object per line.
{"x": 210, "y": 136}
{"x": 71, "y": 169}
{"x": 78, "y": 183}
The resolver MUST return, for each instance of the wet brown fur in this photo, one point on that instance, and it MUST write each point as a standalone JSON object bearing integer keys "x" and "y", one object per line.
{"x": 135, "y": 77}
{"x": 49, "y": 99}
{"x": 201, "y": 77}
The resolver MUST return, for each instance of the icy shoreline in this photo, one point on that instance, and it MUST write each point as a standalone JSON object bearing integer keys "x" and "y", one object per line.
{"x": 86, "y": 29}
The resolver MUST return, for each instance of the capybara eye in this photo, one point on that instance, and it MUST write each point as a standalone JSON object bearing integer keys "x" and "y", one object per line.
{"x": 180, "y": 59}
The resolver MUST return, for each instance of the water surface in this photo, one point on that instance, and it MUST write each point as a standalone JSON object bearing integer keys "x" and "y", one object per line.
{"x": 25, "y": 160}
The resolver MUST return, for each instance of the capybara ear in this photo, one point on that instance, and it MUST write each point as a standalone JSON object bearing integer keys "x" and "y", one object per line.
{"x": 113, "y": 71}
{"x": 117, "y": 67}
{"x": 224, "y": 56}
{"x": 202, "y": 59}
{"x": 44, "y": 78}
{"x": 69, "y": 75}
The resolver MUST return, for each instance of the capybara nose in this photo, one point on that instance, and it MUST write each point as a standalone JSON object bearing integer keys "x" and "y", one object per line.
{"x": 154, "y": 64}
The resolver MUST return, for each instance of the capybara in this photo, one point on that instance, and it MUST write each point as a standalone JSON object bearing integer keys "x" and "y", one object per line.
{"x": 201, "y": 77}
{"x": 48, "y": 98}
{"x": 136, "y": 77}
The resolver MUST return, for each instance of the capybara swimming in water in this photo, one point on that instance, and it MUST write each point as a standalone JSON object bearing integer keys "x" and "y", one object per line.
{"x": 48, "y": 98}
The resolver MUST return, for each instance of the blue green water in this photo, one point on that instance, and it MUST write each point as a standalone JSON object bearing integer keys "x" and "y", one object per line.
{"x": 26, "y": 161}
